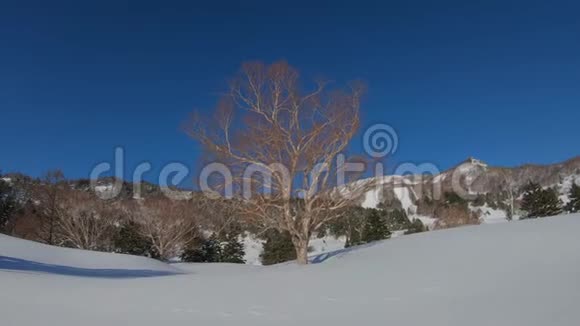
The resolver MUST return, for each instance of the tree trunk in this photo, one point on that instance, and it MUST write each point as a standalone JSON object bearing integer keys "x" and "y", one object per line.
{"x": 301, "y": 247}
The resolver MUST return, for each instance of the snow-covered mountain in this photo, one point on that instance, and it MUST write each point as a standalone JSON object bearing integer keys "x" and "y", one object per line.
{"x": 490, "y": 190}
{"x": 521, "y": 273}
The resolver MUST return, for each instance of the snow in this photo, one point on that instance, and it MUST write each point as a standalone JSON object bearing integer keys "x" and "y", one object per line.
{"x": 326, "y": 244}
{"x": 104, "y": 188}
{"x": 477, "y": 162}
{"x": 401, "y": 187}
{"x": 404, "y": 197}
{"x": 372, "y": 198}
{"x": 566, "y": 185}
{"x": 108, "y": 191}
{"x": 440, "y": 177}
{"x": 253, "y": 248}
{"x": 18, "y": 254}
{"x": 519, "y": 273}
{"x": 470, "y": 170}
{"x": 489, "y": 215}
{"x": 397, "y": 233}
{"x": 427, "y": 221}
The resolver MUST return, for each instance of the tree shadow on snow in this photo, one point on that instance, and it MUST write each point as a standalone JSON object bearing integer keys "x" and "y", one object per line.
{"x": 320, "y": 258}
{"x": 17, "y": 264}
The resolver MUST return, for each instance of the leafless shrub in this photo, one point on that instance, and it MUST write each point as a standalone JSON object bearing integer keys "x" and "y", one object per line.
{"x": 84, "y": 222}
{"x": 48, "y": 195}
{"x": 27, "y": 224}
{"x": 454, "y": 216}
{"x": 220, "y": 215}
{"x": 169, "y": 225}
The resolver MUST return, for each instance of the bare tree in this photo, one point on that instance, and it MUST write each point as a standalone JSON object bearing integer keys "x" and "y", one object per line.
{"x": 84, "y": 222}
{"x": 510, "y": 188}
{"x": 280, "y": 144}
{"x": 219, "y": 214}
{"x": 169, "y": 225}
{"x": 49, "y": 195}
{"x": 455, "y": 216}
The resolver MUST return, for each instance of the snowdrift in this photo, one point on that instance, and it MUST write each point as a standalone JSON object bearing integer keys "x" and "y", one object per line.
{"x": 23, "y": 255}
{"x": 518, "y": 273}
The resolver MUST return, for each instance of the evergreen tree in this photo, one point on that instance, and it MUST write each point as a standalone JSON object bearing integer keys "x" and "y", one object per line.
{"x": 128, "y": 240}
{"x": 232, "y": 250}
{"x": 574, "y": 205}
{"x": 349, "y": 225}
{"x": 353, "y": 226}
{"x": 538, "y": 202}
{"x": 212, "y": 249}
{"x": 8, "y": 205}
{"x": 193, "y": 253}
{"x": 362, "y": 225}
{"x": 397, "y": 220}
{"x": 452, "y": 198}
{"x": 416, "y": 226}
{"x": 209, "y": 251}
{"x": 552, "y": 205}
{"x": 531, "y": 199}
{"x": 375, "y": 227}
{"x": 354, "y": 239}
{"x": 278, "y": 248}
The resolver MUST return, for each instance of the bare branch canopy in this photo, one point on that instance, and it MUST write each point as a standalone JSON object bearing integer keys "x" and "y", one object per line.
{"x": 280, "y": 141}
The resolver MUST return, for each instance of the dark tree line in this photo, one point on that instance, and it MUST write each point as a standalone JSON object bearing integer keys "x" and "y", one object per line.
{"x": 8, "y": 205}
{"x": 214, "y": 249}
{"x": 574, "y": 205}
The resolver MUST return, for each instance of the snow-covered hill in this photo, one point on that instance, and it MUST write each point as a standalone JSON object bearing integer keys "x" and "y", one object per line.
{"x": 519, "y": 273}
{"x": 23, "y": 255}
{"x": 493, "y": 191}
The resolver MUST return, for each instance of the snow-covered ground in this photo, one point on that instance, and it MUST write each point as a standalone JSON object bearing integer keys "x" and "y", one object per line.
{"x": 17, "y": 254}
{"x": 489, "y": 215}
{"x": 253, "y": 248}
{"x": 326, "y": 244}
{"x": 428, "y": 221}
{"x": 519, "y": 273}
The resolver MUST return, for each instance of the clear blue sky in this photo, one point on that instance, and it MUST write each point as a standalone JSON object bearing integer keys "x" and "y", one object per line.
{"x": 498, "y": 80}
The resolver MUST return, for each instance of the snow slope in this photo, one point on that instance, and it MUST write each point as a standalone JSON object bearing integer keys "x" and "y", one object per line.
{"x": 518, "y": 273}
{"x": 488, "y": 214}
{"x": 18, "y": 254}
{"x": 404, "y": 197}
